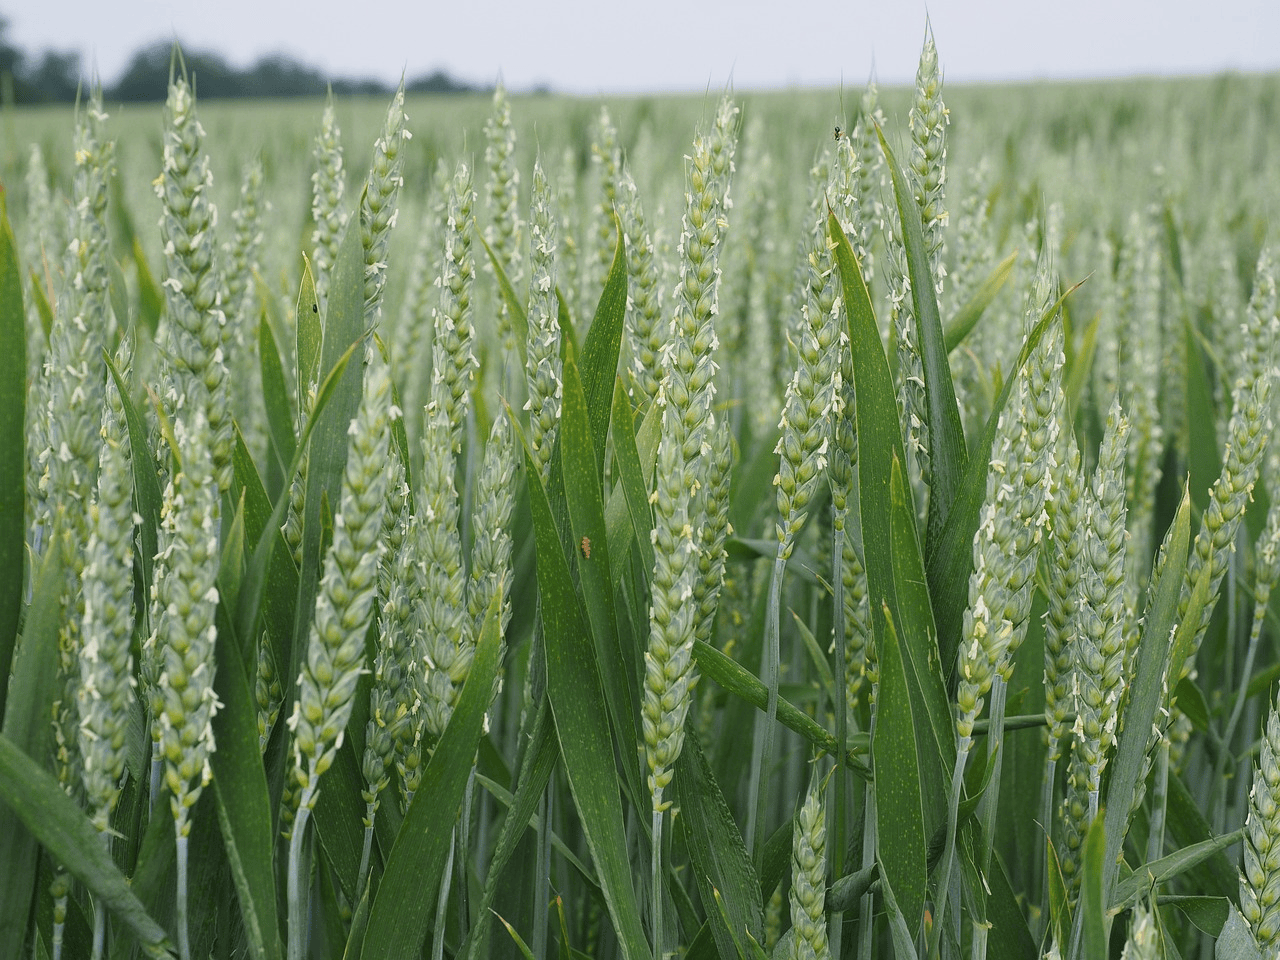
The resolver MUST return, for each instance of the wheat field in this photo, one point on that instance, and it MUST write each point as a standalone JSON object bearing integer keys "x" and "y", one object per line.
{"x": 798, "y": 524}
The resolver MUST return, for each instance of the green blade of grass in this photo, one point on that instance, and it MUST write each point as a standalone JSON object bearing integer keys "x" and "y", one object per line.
{"x": 276, "y": 606}
{"x": 309, "y": 335}
{"x": 329, "y": 915}
{"x": 967, "y": 317}
{"x": 406, "y": 898}
{"x": 599, "y": 364}
{"x": 146, "y": 479}
{"x": 1204, "y": 461}
{"x": 935, "y": 732}
{"x": 505, "y": 798}
{"x": 1146, "y": 692}
{"x": 1172, "y": 248}
{"x": 340, "y": 809}
{"x": 1236, "y": 941}
{"x": 634, "y": 464}
{"x": 879, "y": 436}
{"x": 1215, "y": 874}
{"x": 1060, "y": 918}
{"x": 904, "y": 947}
{"x": 618, "y": 672}
{"x": 153, "y": 878}
{"x": 1209, "y": 914}
{"x": 44, "y": 310}
{"x": 240, "y": 788}
{"x": 817, "y": 658}
{"x": 535, "y": 771}
{"x": 777, "y": 858}
{"x": 35, "y": 796}
{"x": 950, "y": 556}
{"x": 901, "y": 841}
{"x": 579, "y": 711}
{"x": 947, "y": 452}
{"x": 1096, "y": 925}
{"x": 275, "y": 398}
{"x": 848, "y": 890}
{"x": 516, "y": 938}
{"x": 1149, "y": 875}
{"x": 721, "y": 864}
{"x": 150, "y": 298}
{"x": 399, "y": 433}
{"x": 33, "y": 689}
{"x": 742, "y": 683}
{"x": 231, "y": 563}
{"x": 1081, "y": 365}
{"x": 327, "y": 451}
{"x": 13, "y": 460}
{"x": 515, "y": 306}
{"x": 568, "y": 333}
{"x": 260, "y": 562}
{"x": 1009, "y": 939}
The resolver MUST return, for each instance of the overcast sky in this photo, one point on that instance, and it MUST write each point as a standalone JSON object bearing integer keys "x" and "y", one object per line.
{"x": 671, "y": 45}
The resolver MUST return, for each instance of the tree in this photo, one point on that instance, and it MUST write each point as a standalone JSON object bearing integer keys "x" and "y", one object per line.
{"x": 54, "y": 79}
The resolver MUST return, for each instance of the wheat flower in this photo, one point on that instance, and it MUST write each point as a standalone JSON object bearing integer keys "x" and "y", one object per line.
{"x": 106, "y": 681}
{"x": 928, "y": 162}
{"x": 328, "y": 182}
{"x": 813, "y": 397}
{"x": 1260, "y": 878}
{"x": 1012, "y": 522}
{"x": 870, "y": 169}
{"x": 410, "y": 338}
{"x": 42, "y": 238}
{"x": 1097, "y": 628}
{"x": 606, "y": 157}
{"x": 491, "y": 548}
{"x": 855, "y": 619}
{"x": 74, "y": 373}
{"x": 378, "y": 204}
{"x": 685, "y": 394}
{"x": 1068, "y": 513}
{"x": 197, "y": 341}
{"x": 391, "y": 702}
{"x": 447, "y": 639}
{"x": 268, "y": 692}
{"x": 334, "y": 653}
{"x": 397, "y": 705}
{"x": 646, "y": 332}
{"x": 714, "y": 530}
{"x": 504, "y": 234}
{"x": 760, "y": 385}
{"x": 1138, "y": 346}
{"x": 809, "y": 879}
{"x": 245, "y": 250}
{"x": 1143, "y": 942}
{"x": 244, "y": 261}
{"x": 180, "y": 649}
{"x": 1247, "y": 434}
{"x": 334, "y": 656}
{"x": 1100, "y": 607}
{"x": 388, "y": 661}
{"x": 542, "y": 364}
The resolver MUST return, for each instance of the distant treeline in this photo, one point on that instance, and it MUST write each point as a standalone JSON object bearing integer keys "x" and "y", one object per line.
{"x": 53, "y": 76}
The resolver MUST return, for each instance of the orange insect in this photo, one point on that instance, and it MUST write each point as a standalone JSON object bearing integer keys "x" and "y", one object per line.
{"x": 586, "y": 547}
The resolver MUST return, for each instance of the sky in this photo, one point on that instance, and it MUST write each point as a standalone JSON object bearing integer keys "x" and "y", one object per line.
{"x": 676, "y": 45}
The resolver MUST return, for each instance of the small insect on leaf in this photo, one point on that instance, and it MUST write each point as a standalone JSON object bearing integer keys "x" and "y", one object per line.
{"x": 586, "y": 547}
{"x": 838, "y": 133}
